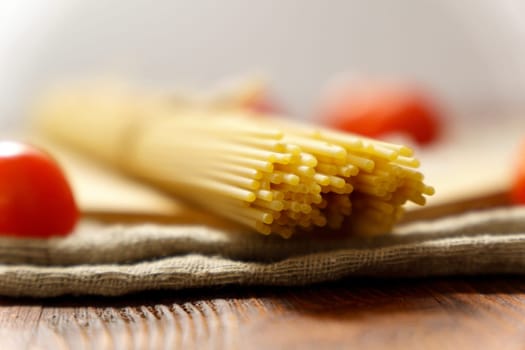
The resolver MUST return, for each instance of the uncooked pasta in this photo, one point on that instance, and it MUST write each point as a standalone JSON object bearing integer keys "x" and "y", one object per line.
{"x": 268, "y": 174}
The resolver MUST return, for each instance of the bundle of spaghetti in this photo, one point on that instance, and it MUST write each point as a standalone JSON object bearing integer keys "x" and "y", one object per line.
{"x": 271, "y": 175}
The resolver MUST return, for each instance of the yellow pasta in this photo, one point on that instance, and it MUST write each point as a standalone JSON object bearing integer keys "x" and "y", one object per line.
{"x": 270, "y": 175}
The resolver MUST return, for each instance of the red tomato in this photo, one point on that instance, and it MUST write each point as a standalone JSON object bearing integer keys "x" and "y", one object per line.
{"x": 518, "y": 189}
{"x": 35, "y": 197}
{"x": 263, "y": 104}
{"x": 375, "y": 111}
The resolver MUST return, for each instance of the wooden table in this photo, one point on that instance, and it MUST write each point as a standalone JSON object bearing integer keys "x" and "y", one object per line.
{"x": 442, "y": 313}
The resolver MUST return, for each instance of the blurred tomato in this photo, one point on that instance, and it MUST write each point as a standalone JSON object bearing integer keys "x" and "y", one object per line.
{"x": 518, "y": 188}
{"x": 377, "y": 110}
{"x": 35, "y": 197}
{"x": 263, "y": 103}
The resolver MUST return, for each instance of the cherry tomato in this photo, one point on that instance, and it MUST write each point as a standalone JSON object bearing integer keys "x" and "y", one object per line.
{"x": 263, "y": 104}
{"x": 375, "y": 111}
{"x": 35, "y": 197}
{"x": 518, "y": 188}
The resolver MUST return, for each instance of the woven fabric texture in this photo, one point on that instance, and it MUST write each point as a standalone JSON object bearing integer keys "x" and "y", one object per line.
{"x": 119, "y": 259}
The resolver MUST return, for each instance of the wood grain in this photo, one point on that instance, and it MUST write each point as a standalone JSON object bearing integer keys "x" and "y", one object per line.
{"x": 481, "y": 313}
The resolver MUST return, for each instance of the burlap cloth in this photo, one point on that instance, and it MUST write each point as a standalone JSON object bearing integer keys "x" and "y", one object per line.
{"x": 113, "y": 260}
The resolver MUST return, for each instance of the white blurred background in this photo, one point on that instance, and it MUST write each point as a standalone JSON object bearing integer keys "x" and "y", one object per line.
{"x": 470, "y": 53}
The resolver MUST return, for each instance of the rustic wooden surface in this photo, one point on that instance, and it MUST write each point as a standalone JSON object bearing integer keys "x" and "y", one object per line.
{"x": 444, "y": 313}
